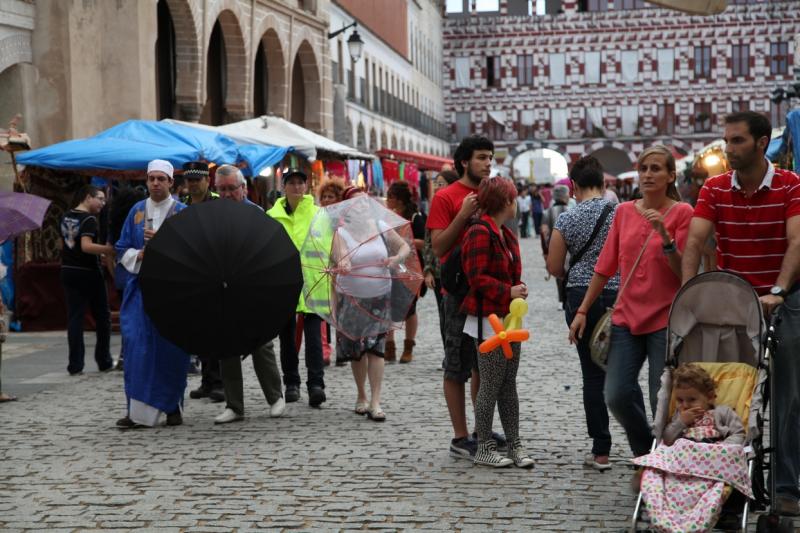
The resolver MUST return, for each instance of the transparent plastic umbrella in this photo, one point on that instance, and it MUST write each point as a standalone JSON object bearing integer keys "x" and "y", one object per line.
{"x": 360, "y": 268}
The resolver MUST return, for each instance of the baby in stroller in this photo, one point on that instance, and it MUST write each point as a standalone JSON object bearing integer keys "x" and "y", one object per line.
{"x": 686, "y": 480}
{"x": 696, "y": 418}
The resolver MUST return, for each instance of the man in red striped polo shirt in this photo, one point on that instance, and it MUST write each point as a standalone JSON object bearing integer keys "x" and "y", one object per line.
{"x": 755, "y": 210}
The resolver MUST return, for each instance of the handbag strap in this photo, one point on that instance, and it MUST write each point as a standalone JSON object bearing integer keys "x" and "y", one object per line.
{"x": 597, "y": 226}
{"x": 639, "y": 257}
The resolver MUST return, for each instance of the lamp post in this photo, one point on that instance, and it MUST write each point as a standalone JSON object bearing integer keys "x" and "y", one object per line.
{"x": 354, "y": 43}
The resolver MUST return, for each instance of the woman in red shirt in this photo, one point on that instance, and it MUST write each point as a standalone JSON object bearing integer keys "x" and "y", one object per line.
{"x": 655, "y": 227}
{"x": 491, "y": 261}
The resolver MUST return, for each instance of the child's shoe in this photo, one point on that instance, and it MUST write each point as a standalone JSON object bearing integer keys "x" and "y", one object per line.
{"x": 487, "y": 455}
{"x": 518, "y": 454}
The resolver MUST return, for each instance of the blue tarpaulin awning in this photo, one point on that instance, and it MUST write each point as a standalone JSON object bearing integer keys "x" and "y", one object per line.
{"x": 129, "y": 146}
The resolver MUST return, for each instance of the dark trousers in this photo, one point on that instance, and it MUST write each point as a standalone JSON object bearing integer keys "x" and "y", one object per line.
{"x": 290, "y": 363}
{"x": 537, "y": 222}
{"x": 266, "y": 371}
{"x": 786, "y": 373}
{"x": 594, "y": 377}
{"x": 82, "y": 288}
{"x": 437, "y": 290}
{"x": 524, "y": 224}
{"x": 211, "y": 378}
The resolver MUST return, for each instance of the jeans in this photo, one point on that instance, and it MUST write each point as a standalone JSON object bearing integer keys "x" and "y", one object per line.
{"x": 437, "y": 291}
{"x": 82, "y": 287}
{"x": 623, "y": 393}
{"x": 290, "y": 364}
{"x": 524, "y": 225}
{"x": 786, "y": 376}
{"x": 594, "y": 377}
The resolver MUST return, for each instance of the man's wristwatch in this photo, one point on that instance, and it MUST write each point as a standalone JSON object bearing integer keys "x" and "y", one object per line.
{"x": 778, "y": 291}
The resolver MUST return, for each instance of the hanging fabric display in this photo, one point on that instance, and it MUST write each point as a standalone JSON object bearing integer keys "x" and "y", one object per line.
{"x": 377, "y": 175}
{"x": 337, "y": 169}
{"x": 391, "y": 171}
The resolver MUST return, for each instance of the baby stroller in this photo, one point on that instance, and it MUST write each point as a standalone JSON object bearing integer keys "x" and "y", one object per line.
{"x": 716, "y": 321}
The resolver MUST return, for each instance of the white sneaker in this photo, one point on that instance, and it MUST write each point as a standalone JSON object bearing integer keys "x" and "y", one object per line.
{"x": 227, "y": 416}
{"x": 277, "y": 409}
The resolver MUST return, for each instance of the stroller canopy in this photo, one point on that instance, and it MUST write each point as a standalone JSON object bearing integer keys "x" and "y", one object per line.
{"x": 716, "y": 317}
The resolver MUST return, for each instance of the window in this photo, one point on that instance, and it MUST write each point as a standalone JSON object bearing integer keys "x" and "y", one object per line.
{"x": 487, "y": 5}
{"x": 558, "y": 123}
{"x": 493, "y": 71}
{"x": 463, "y": 124}
{"x": 593, "y": 5}
{"x": 591, "y": 67}
{"x": 702, "y": 61}
{"x": 630, "y": 119}
{"x": 351, "y": 83}
{"x": 462, "y": 72}
{"x": 629, "y": 4}
{"x": 666, "y": 64}
{"x": 493, "y": 129}
{"x": 739, "y": 105}
{"x": 454, "y": 6}
{"x": 526, "y": 124}
{"x": 740, "y": 60}
{"x": 666, "y": 119}
{"x": 556, "y": 69}
{"x": 702, "y": 117}
{"x": 525, "y": 70}
{"x": 777, "y": 113}
{"x": 779, "y": 59}
{"x": 630, "y": 66}
{"x": 594, "y": 122}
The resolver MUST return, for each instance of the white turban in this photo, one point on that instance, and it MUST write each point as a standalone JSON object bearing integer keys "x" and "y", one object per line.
{"x": 159, "y": 165}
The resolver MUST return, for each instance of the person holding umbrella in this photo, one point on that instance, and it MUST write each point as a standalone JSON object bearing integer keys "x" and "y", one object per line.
{"x": 295, "y": 211}
{"x": 155, "y": 369}
{"x": 232, "y": 185}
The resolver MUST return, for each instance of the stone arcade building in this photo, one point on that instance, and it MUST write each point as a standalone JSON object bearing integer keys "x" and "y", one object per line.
{"x": 611, "y": 77}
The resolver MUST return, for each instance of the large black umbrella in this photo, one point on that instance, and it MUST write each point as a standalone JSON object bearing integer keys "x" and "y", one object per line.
{"x": 220, "y": 278}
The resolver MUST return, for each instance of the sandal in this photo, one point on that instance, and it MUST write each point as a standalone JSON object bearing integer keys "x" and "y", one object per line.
{"x": 7, "y": 398}
{"x": 361, "y": 408}
{"x": 376, "y": 415}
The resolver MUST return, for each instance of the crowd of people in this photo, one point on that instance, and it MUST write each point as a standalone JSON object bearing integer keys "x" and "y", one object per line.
{"x": 630, "y": 257}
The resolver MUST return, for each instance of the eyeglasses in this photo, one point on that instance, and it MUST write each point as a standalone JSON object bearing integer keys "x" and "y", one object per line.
{"x": 228, "y": 188}
{"x": 101, "y": 198}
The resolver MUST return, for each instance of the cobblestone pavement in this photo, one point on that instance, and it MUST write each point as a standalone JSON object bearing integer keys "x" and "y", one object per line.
{"x": 65, "y": 467}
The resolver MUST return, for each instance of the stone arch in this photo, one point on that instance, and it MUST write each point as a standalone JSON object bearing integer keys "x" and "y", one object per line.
{"x": 273, "y": 90}
{"x": 403, "y": 144}
{"x": 15, "y": 49}
{"x": 384, "y": 141}
{"x": 361, "y": 138}
{"x": 373, "y": 140}
{"x": 394, "y": 142}
{"x": 614, "y": 158}
{"x": 234, "y": 71}
{"x": 188, "y": 79}
{"x": 306, "y": 89}
{"x": 350, "y": 137}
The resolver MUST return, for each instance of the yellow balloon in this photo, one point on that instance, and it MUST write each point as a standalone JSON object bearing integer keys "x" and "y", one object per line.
{"x": 517, "y": 310}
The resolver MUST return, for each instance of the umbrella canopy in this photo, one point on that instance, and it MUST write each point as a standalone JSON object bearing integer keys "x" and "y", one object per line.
{"x": 363, "y": 255}
{"x": 220, "y": 279}
{"x": 129, "y": 146}
{"x": 20, "y": 212}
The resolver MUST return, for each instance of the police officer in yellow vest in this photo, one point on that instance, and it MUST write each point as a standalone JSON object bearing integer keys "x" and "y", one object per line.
{"x": 295, "y": 212}
{"x": 196, "y": 175}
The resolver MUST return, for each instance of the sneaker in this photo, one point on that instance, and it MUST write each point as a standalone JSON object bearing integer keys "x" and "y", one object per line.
{"x": 228, "y": 416}
{"x": 278, "y": 408}
{"x": 292, "y": 393}
{"x": 499, "y": 439}
{"x": 463, "y": 447}
{"x": 519, "y": 455}
{"x": 591, "y": 460}
{"x": 316, "y": 396}
{"x": 487, "y": 456}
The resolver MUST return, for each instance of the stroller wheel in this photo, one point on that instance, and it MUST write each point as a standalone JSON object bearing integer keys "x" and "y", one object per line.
{"x": 770, "y": 523}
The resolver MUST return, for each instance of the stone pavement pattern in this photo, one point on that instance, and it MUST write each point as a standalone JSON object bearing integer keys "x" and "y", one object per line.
{"x": 65, "y": 467}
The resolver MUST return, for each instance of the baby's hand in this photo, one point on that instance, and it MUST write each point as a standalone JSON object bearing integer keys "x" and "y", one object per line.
{"x": 690, "y": 416}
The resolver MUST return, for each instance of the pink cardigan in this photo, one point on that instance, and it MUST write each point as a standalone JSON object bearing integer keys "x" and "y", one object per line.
{"x": 644, "y": 307}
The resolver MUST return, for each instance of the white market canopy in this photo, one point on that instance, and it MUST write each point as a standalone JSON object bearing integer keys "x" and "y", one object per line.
{"x": 275, "y": 131}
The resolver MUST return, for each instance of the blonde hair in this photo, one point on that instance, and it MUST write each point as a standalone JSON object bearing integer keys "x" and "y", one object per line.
{"x": 660, "y": 149}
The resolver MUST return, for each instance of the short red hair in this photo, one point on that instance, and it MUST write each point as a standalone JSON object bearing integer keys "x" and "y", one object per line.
{"x": 494, "y": 194}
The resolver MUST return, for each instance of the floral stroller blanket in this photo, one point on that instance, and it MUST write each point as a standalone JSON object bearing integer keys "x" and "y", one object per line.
{"x": 683, "y": 485}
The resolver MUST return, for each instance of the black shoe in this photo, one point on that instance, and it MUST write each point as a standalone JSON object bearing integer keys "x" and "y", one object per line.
{"x": 198, "y": 393}
{"x": 316, "y": 396}
{"x": 119, "y": 365}
{"x": 175, "y": 419}
{"x": 106, "y": 369}
{"x": 127, "y": 423}
{"x": 216, "y": 395}
{"x": 292, "y": 394}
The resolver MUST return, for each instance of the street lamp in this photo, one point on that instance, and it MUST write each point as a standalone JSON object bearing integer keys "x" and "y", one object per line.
{"x": 354, "y": 43}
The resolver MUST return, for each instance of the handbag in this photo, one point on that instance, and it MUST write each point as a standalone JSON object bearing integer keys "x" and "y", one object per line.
{"x": 600, "y": 341}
